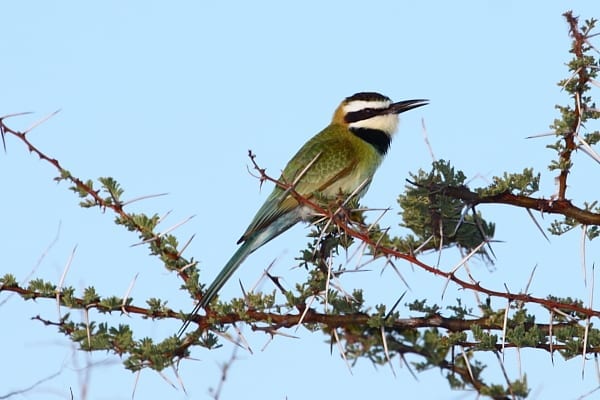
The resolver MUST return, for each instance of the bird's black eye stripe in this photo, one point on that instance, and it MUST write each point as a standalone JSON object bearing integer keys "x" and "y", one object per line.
{"x": 375, "y": 137}
{"x": 363, "y": 114}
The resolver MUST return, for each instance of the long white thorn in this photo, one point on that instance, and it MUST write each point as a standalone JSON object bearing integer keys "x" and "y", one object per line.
{"x": 504, "y": 325}
{"x": 386, "y": 351}
{"x": 461, "y": 263}
{"x": 588, "y": 323}
{"x": 341, "y": 349}
{"x": 582, "y": 248}
{"x": 41, "y": 121}
{"x": 149, "y": 196}
{"x": 426, "y": 139}
{"x": 177, "y": 225}
{"x": 304, "y": 313}
{"x": 126, "y": 295}
{"x": 588, "y": 149}
{"x": 62, "y": 280}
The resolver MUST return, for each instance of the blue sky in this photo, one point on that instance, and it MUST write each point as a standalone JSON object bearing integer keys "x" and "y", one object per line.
{"x": 169, "y": 98}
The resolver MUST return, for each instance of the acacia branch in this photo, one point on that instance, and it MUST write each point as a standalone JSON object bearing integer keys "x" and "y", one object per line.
{"x": 582, "y": 77}
{"x": 562, "y": 207}
{"x": 342, "y": 223}
{"x": 310, "y": 316}
{"x": 165, "y": 252}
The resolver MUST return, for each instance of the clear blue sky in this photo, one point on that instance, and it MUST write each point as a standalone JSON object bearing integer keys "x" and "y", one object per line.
{"x": 169, "y": 98}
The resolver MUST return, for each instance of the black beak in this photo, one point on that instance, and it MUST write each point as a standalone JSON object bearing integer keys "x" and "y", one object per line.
{"x": 395, "y": 108}
{"x": 403, "y": 106}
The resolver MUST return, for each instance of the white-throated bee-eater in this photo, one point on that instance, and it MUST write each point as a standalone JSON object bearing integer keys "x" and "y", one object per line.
{"x": 342, "y": 158}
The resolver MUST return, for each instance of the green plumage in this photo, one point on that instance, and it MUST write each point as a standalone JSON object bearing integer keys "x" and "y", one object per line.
{"x": 342, "y": 161}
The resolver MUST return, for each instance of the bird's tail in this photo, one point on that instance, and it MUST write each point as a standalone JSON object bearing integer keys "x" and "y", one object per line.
{"x": 234, "y": 262}
{"x": 252, "y": 243}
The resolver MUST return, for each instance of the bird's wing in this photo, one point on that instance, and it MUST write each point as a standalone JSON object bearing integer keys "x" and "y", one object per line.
{"x": 329, "y": 160}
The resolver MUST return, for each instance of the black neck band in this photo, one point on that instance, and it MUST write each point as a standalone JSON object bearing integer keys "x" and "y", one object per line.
{"x": 375, "y": 137}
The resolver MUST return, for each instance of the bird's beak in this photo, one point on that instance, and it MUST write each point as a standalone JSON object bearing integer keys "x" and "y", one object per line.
{"x": 395, "y": 108}
{"x": 402, "y": 106}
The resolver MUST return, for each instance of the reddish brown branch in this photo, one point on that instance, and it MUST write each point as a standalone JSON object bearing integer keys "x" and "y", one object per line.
{"x": 75, "y": 303}
{"x": 577, "y": 48}
{"x": 364, "y": 237}
{"x": 115, "y": 206}
{"x": 310, "y": 316}
{"x": 562, "y": 207}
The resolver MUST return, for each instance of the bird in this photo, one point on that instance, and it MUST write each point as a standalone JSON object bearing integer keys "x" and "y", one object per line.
{"x": 341, "y": 159}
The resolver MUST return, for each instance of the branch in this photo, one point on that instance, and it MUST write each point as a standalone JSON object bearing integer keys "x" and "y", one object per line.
{"x": 563, "y": 207}
{"x": 338, "y": 218}
{"x": 169, "y": 254}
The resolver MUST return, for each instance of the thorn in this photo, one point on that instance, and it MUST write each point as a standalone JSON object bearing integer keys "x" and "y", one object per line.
{"x": 150, "y": 196}
{"x": 537, "y": 224}
{"x": 541, "y": 135}
{"x": 41, "y": 121}
{"x": 15, "y": 115}
{"x": 126, "y": 296}
{"x": 386, "y": 351}
{"x": 426, "y": 139}
{"x": 185, "y": 246}
{"x": 395, "y": 305}
{"x": 341, "y": 349}
{"x": 62, "y": 279}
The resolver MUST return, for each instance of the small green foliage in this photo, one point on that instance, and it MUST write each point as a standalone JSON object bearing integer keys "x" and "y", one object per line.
{"x": 593, "y": 232}
{"x": 522, "y": 317}
{"x": 41, "y": 289}
{"x": 460, "y": 311}
{"x": 455, "y": 381}
{"x": 566, "y": 224}
{"x": 583, "y": 68}
{"x": 435, "y": 346}
{"x": 123, "y": 338}
{"x": 560, "y": 227}
{"x": 421, "y": 306}
{"x": 139, "y": 222}
{"x": 8, "y": 280}
{"x": 475, "y": 367}
{"x": 342, "y": 304}
{"x": 486, "y": 340}
{"x": 326, "y": 241}
{"x": 521, "y": 336}
{"x": 525, "y": 183}
{"x": 516, "y": 389}
{"x": 377, "y": 320}
{"x": 84, "y": 190}
{"x": 192, "y": 285}
{"x": 64, "y": 175}
{"x": 67, "y": 297}
{"x": 157, "y": 307}
{"x": 564, "y": 314}
{"x": 109, "y": 304}
{"x": 430, "y": 214}
{"x": 90, "y": 296}
{"x": 114, "y": 190}
{"x": 455, "y": 338}
{"x": 151, "y": 355}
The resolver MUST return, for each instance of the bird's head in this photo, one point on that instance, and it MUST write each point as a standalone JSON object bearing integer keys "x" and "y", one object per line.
{"x": 372, "y": 111}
